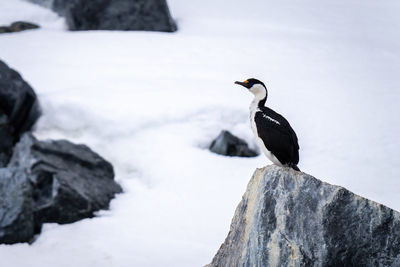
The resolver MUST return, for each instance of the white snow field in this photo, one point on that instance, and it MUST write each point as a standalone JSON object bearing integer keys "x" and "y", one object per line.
{"x": 151, "y": 103}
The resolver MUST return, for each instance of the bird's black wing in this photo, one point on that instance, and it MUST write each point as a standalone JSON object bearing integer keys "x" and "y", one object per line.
{"x": 277, "y": 135}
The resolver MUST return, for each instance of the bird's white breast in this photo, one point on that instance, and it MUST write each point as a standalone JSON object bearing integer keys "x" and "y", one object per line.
{"x": 253, "y": 110}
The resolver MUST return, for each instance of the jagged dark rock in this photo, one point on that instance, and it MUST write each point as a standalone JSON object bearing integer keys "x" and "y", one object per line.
{"x": 16, "y": 206}
{"x": 70, "y": 181}
{"x": 124, "y": 15}
{"x": 64, "y": 183}
{"x": 50, "y": 181}
{"x": 18, "y": 26}
{"x": 229, "y": 145}
{"x": 289, "y": 218}
{"x": 19, "y": 110}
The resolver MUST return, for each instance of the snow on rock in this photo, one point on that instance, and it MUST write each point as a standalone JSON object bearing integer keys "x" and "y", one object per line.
{"x": 289, "y": 218}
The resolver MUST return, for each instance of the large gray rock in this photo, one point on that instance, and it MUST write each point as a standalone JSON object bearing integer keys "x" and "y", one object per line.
{"x": 70, "y": 181}
{"x": 19, "y": 110}
{"x": 16, "y": 206}
{"x": 289, "y": 218}
{"x": 125, "y": 15}
{"x": 52, "y": 181}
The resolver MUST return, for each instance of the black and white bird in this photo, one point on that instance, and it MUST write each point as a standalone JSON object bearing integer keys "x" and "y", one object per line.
{"x": 273, "y": 132}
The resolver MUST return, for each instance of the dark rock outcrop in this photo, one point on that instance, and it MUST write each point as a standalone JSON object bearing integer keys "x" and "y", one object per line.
{"x": 289, "y": 218}
{"x": 70, "y": 181}
{"x": 63, "y": 183}
{"x": 229, "y": 145}
{"x": 16, "y": 206}
{"x": 125, "y": 15}
{"x": 18, "y": 26}
{"x": 19, "y": 110}
{"x": 44, "y": 181}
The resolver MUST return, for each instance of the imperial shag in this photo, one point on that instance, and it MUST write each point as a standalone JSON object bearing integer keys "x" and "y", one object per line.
{"x": 274, "y": 134}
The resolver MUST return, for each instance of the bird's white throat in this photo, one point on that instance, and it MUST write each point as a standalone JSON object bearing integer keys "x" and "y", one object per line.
{"x": 258, "y": 91}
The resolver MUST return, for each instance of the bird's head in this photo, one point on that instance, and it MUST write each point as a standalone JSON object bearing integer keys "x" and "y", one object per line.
{"x": 255, "y": 86}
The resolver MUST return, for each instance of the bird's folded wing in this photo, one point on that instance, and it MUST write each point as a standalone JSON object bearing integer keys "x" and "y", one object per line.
{"x": 278, "y": 137}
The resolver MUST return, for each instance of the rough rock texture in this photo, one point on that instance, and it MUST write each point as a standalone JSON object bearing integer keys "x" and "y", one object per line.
{"x": 6, "y": 140}
{"x": 16, "y": 206}
{"x": 70, "y": 181}
{"x": 229, "y": 145}
{"x": 289, "y": 218}
{"x": 55, "y": 181}
{"x": 18, "y": 26}
{"x": 126, "y": 15}
{"x": 19, "y": 110}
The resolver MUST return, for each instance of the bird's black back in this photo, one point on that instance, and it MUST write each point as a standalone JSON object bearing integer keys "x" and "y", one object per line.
{"x": 277, "y": 135}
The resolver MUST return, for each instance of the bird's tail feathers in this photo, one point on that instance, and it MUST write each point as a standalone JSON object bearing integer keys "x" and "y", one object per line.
{"x": 294, "y": 167}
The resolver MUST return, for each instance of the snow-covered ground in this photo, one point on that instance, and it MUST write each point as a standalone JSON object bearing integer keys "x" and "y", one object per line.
{"x": 152, "y": 102}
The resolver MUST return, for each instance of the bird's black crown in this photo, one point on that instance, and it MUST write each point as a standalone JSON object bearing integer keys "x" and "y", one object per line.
{"x": 250, "y": 82}
{"x": 253, "y": 81}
